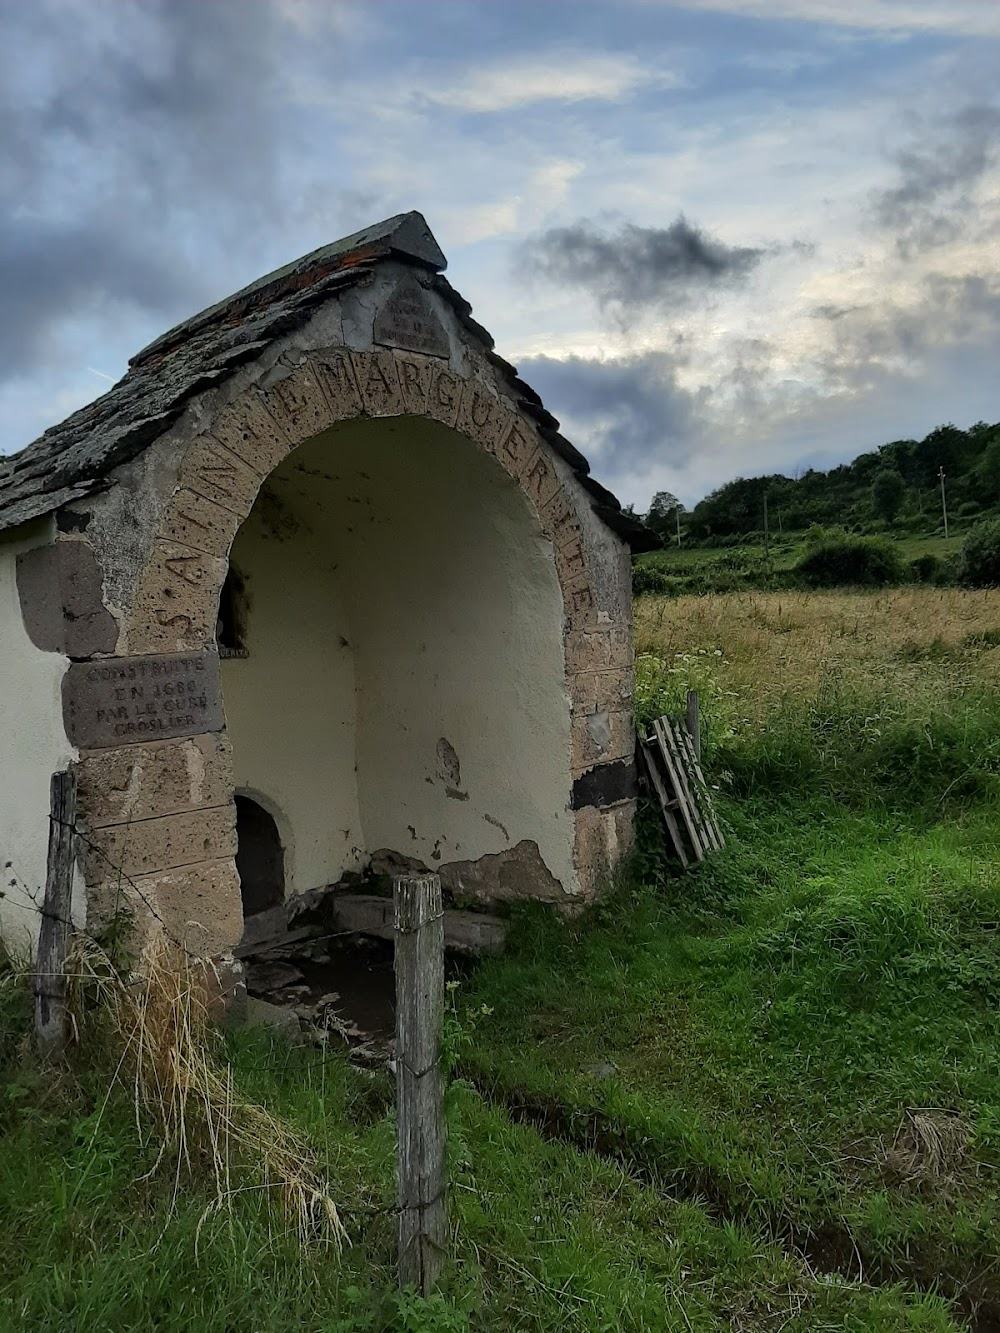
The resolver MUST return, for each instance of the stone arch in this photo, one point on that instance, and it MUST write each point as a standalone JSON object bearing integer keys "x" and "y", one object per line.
{"x": 222, "y": 472}
{"x": 175, "y": 607}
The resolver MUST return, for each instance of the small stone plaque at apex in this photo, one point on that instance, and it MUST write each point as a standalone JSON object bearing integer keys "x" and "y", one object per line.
{"x": 407, "y": 320}
{"x": 128, "y": 700}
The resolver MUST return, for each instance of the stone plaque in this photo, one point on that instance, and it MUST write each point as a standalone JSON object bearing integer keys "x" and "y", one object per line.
{"x": 126, "y": 700}
{"x": 408, "y": 320}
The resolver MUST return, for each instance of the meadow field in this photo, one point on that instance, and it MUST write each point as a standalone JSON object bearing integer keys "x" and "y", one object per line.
{"x": 761, "y": 1095}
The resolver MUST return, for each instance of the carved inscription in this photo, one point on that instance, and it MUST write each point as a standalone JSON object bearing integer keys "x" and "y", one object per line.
{"x": 407, "y": 320}
{"x": 125, "y": 700}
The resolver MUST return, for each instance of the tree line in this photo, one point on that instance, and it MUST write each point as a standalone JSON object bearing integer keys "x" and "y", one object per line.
{"x": 898, "y": 484}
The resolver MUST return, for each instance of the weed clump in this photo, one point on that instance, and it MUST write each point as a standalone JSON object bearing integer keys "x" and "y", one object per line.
{"x": 183, "y": 1095}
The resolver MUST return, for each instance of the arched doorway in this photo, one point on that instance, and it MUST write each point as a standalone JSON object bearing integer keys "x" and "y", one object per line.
{"x": 402, "y": 691}
{"x": 260, "y": 857}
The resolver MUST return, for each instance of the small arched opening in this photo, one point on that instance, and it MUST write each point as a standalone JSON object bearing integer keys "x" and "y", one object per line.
{"x": 260, "y": 857}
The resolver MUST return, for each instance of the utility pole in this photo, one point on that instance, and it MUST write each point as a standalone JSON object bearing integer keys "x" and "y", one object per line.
{"x": 677, "y": 515}
{"x": 944, "y": 504}
{"x": 767, "y": 535}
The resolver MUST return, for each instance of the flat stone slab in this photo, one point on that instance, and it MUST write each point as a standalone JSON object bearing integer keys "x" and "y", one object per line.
{"x": 128, "y": 700}
{"x": 464, "y": 932}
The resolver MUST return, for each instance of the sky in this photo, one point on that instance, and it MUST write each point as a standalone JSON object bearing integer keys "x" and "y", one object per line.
{"x": 721, "y": 238}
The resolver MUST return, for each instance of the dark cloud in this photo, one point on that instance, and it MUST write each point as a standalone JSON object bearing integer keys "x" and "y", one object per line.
{"x": 133, "y": 134}
{"x": 627, "y": 414}
{"x": 637, "y": 268}
{"x": 931, "y": 202}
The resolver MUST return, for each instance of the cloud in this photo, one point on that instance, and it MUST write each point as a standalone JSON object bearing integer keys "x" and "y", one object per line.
{"x": 967, "y": 18}
{"x": 627, "y": 413}
{"x": 931, "y": 202}
{"x": 124, "y": 127}
{"x": 562, "y": 76}
{"x": 638, "y": 268}
{"x": 48, "y": 272}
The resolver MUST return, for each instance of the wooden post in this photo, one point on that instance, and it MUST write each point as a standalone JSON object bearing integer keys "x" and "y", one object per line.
{"x": 420, "y": 1153}
{"x": 51, "y": 1019}
{"x": 693, "y": 721}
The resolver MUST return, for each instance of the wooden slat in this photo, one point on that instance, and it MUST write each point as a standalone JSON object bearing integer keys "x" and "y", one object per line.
{"x": 675, "y": 771}
{"x": 708, "y": 805}
{"x": 667, "y": 805}
{"x": 681, "y": 742}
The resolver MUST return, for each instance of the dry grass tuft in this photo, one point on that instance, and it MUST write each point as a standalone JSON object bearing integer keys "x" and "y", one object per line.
{"x": 929, "y": 1150}
{"x": 184, "y": 1098}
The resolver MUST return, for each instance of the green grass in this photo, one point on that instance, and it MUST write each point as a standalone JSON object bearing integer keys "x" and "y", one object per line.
{"x": 546, "y": 1236}
{"x": 678, "y": 1112}
{"x": 772, "y": 1017}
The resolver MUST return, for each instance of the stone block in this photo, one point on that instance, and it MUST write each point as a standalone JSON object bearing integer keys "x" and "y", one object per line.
{"x": 602, "y": 840}
{"x": 298, "y": 404}
{"x": 571, "y": 560}
{"x": 602, "y": 691}
{"x": 276, "y": 1017}
{"x": 198, "y": 906}
{"x": 335, "y": 374}
{"x": 540, "y": 480}
{"x": 621, "y": 652}
{"x": 482, "y": 417}
{"x": 582, "y": 687}
{"x": 213, "y": 471}
{"x": 60, "y": 588}
{"x": 601, "y": 737}
{"x": 615, "y": 690}
{"x": 587, "y": 650}
{"x": 518, "y": 449}
{"x": 177, "y": 604}
{"x": 445, "y": 396}
{"x": 191, "y": 520}
{"x": 559, "y": 520}
{"x": 168, "y": 842}
{"x": 591, "y": 853}
{"x": 579, "y": 608}
{"x": 591, "y": 740}
{"x": 140, "y": 782}
{"x": 378, "y": 382}
{"x": 415, "y": 374}
{"x": 247, "y": 429}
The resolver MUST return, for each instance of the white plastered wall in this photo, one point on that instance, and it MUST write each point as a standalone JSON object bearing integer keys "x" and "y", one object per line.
{"x": 290, "y": 703}
{"x": 33, "y": 746}
{"x": 406, "y": 673}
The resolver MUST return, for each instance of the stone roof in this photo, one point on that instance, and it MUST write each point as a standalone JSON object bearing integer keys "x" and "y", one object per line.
{"x": 74, "y": 458}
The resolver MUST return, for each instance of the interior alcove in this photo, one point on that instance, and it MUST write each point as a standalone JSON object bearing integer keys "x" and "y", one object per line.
{"x": 403, "y": 684}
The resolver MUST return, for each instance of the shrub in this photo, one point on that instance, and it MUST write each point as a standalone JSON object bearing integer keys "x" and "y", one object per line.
{"x": 980, "y": 560}
{"x": 968, "y": 508}
{"x": 647, "y": 578}
{"x": 925, "y": 568}
{"x": 835, "y": 561}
